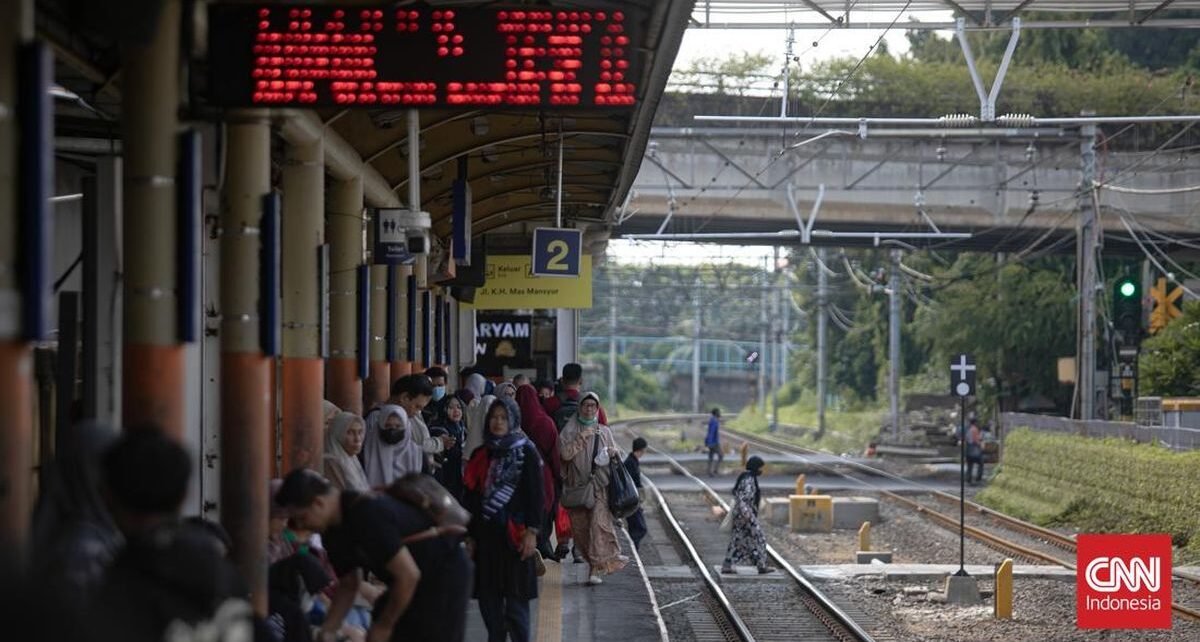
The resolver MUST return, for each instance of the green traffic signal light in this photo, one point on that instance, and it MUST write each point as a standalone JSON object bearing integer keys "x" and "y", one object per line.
{"x": 1127, "y": 288}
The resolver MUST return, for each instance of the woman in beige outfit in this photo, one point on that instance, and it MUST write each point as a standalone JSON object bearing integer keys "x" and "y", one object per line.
{"x": 585, "y": 462}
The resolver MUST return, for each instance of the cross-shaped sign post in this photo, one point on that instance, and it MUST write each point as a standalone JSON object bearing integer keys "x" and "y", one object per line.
{"x": 962, "y": 384}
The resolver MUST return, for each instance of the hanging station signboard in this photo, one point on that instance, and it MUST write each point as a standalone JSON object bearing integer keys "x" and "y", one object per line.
{"x": 333, "y": 55}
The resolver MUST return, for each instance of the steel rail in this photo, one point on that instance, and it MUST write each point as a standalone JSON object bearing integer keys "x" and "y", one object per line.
{"x": 821, "y": 606}
{"x": 988, "y": 539}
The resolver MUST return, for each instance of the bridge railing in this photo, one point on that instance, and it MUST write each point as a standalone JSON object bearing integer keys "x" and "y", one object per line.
{"x": 1175, "y": 437}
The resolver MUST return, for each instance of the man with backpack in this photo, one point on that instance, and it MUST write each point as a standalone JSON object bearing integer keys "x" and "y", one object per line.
{"x": 424, "y": 565}
{"x": 565, "y": 403}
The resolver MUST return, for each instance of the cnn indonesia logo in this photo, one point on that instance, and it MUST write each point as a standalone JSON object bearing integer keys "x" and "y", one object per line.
{"x": 1123, "y": 581}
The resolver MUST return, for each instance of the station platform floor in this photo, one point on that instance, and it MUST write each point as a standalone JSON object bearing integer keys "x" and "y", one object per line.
{"x": 622, "y": 609}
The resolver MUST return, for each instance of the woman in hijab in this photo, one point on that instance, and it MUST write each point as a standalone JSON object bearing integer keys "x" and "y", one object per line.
{"x": 343, "y": 441}
{"x": 451, "y": 472}
{"x": 540, "y": 428}
{"x": 330, "y": 410}
{"x": 506, "y": 389}
{"x": 748, "y": 542}
{"x": 505, "y": 496}
{"x": 74, "y": 537}
{"x": 475, "y": 412}
{"x": 389, "y": 450}
{"x": 587, "y": 446}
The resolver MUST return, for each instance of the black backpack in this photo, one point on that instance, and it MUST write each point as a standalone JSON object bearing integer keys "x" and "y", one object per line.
{"x": 568, "y": 407}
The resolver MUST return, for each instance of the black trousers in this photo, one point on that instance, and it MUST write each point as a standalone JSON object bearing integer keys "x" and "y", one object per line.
{"x": 637, "y": 527}
{"x": 972, "y": 464}
{"x": 506, "y": 618}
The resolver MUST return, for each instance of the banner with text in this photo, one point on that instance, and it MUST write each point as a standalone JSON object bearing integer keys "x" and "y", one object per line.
{"x": 510, "y": 285}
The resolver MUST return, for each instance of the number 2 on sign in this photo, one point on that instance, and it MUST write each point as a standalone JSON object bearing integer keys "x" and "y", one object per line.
{"x": 558, "y": 250}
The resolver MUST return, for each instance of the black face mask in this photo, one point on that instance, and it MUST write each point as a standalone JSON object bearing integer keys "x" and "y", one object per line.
{"x": 391, "y": 436}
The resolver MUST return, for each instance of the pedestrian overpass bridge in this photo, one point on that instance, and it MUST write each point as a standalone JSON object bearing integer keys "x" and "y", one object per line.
{"x": 1012, "y": 190}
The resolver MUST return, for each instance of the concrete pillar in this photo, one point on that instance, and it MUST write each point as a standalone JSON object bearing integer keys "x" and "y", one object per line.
{"x": 465, "y": 341}
{"x": 303, "y": 369}
{"x": 154, "y": 360}
{"x": 344, "y": 230}
{"x": 427, "y": 359}
{"x": 566, "y": 338}
{"x": 375, "y": 388}
{"x": 401, "y": 365}
{"x": 16, "y": 362}
{"x": 247, "y": 443}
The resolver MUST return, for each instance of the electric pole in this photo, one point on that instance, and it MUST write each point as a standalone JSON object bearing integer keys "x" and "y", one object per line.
{"x": 612, "y": 344}
{"x": 822, "y": 320}
{"x": 894, "y": 342}
{"x": 762, "y": 342}
{"x": 1088, "y": 242}
{"x": 696, "y": 350}
{"x": 776, "y": 348}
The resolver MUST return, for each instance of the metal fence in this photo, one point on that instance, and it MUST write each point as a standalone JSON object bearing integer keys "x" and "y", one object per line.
{"x": 1174, "y": 437}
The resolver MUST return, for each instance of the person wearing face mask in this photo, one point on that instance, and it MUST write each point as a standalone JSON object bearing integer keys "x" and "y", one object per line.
{"x": 434, "y": 413}
{"x": 412, "y": 393}
{"x": 389, "y": 450}
{"x": 586, "y": 445}
{"x": 748, "y": 543}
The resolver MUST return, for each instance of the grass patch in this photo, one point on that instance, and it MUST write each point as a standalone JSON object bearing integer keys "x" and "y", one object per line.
{"x": 847, "y": 431}
{"x": 1100, "y": 485}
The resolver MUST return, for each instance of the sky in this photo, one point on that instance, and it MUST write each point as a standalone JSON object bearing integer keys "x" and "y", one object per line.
{"x": 701, "y": 43}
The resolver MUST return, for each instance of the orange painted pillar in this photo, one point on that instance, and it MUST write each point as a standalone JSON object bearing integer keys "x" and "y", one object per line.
{"x": 152, "y": 373}
{"x": 344, "y": 229}
{"x": 247, "y": 435}
{"x": 303, "y": 369}
{"x": 16, "y": 359}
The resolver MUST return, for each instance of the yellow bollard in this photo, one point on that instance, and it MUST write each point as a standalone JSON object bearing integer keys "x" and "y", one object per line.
{"x": 800, "y": 479}
{"x": 1003, "y": 605}
{"x": 745, "y": 454}
{"x": 864, "y": 536}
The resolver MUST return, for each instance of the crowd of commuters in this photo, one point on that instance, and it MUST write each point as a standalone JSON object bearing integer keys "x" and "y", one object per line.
{"x": 351, "y": 554}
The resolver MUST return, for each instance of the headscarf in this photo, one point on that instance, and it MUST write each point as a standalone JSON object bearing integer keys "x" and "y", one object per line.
{"x": 501, "y": 389}
{"x": 74, "y": 537}
{"x": 385, "y": 463}
{"x": 541, "y": 430}
{"x": 507, "y": 457}
{"x": 753, "y": 466}
{"x": 476, "y": 384}
{"x": 584, "y": 397}
{"x": 329, "y": 410}
{"x": 342, "y": 468}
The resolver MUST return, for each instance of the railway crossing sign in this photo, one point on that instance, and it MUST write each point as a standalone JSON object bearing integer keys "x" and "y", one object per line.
{"x": 962, "y": 375}
{"x": 1166, "y": 305}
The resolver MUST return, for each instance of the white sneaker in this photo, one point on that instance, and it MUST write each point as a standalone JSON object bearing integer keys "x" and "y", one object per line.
{"x": 594, "y": 580}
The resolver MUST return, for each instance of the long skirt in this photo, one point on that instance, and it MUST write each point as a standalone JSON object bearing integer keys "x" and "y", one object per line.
{"x": 596, "y": 538}
{"x": 748, "y": 543}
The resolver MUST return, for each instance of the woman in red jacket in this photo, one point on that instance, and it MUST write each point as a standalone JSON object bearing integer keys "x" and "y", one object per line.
{"x": 541, "y": 430}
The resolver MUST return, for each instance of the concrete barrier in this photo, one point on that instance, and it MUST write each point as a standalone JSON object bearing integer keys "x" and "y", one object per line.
{"x": 851, "y": 512}
{"x": 810, "y": 513}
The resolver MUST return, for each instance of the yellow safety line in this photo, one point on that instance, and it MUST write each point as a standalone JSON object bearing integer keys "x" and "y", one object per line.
{"x": 549, "y": 605}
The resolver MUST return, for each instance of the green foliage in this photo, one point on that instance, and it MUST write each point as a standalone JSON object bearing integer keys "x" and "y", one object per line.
{"x": 1067, "y": 480}
{"x": 636, "y": 389}
{"x": 1170, "y": 361}
{"x": 1016, "y": 319}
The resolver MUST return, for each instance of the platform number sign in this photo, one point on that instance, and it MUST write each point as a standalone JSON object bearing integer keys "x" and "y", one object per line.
{"x": 557, "y": 251}
{"x": 962, "y": 375}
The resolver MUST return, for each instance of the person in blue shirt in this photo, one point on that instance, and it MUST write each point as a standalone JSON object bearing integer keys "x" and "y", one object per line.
{"x": 712, "y": 441}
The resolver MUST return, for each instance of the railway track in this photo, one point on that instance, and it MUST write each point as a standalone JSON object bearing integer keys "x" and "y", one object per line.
{"x": 779, "y": 608}
{"x": 1064, "y": 544}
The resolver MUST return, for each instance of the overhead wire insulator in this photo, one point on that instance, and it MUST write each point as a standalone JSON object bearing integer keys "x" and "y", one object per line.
{"x": 958, "y": 120}
{"x": 1016, "y": 120}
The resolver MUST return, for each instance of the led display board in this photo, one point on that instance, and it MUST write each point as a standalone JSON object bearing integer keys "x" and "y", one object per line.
{"x": 420, "y": 56}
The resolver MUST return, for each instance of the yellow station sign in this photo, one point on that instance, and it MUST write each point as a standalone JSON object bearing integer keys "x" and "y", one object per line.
{"x": 510, "y": 285}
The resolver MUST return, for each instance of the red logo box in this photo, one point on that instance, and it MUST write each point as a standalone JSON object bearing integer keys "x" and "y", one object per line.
{"x": 1123, "y": 581}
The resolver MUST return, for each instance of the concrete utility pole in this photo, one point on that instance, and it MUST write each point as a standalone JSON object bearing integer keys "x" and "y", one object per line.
{"x": 1089, "y": 241}
{"x": 776, "y": 348}
{"x": 822, "y": 321}
{"x": 785, "y": 345}
{"x": 894, "y": 342}
{"x": 612, "y": 344}
{"x": 696, "y": 350}
{"x": 762, "y": 342}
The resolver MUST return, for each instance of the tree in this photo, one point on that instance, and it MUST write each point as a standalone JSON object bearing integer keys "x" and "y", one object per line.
{"x": 1170, "y": 361}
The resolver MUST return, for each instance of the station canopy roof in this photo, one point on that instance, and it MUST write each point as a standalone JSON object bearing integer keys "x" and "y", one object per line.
{"x": 876, "y": 14}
